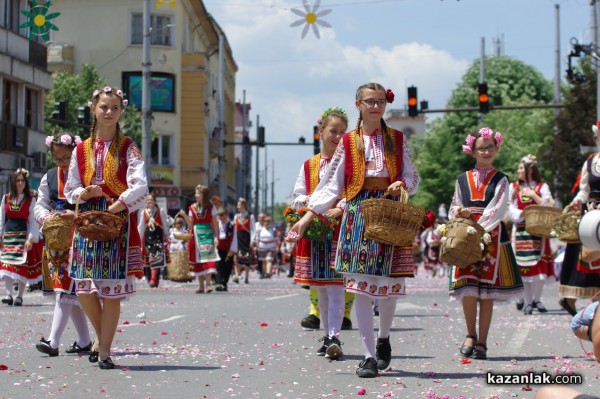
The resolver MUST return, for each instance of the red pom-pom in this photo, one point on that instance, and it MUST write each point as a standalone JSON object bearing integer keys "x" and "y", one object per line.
{"x": 428, "y": 219}
{"x": 389, "y": 96}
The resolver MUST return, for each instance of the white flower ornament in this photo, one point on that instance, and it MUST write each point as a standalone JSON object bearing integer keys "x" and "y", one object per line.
{"x": 311, "y": 17}
{"x": 471, "y": 230}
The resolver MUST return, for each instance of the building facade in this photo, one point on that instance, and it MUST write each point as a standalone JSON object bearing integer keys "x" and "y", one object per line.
{"x": 190, "y": 80}
{"x": 23, "y": 81}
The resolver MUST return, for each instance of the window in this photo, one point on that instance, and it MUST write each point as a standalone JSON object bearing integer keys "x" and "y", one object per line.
{"x": 32, "y": 108}
{"x": 159, "y": 35}
{"x": 161, "y": 150}
{"x": 10, "y": 102}
{"x": 11, "y": 15}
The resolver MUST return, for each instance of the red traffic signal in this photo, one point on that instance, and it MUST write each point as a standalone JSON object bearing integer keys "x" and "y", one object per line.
{"x": 484, "y": 99}
{"x": 413, "y": 110}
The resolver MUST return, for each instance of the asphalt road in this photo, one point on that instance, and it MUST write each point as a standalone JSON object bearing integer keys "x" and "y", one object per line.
{"x": 247, "y": 343}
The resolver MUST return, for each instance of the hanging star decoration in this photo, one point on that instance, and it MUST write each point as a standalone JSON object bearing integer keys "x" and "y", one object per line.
{"x": 39, "y": 20}
{"x": 311, "y": 17}
{"x": 159, "y": 3}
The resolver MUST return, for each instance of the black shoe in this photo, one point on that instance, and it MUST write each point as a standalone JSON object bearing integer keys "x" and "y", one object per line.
{"x": 346, "y": 324}
{"x": 375, "y": 310}
{"x": 480, "y": 351}
{"x": 467, "y": 350}
{"x": 78, "y": 349}
{"x": 44, "y": 347}
{"x": 566, "y": 306}
{"x": 18, "y": 301}
{"x": 334, "y": 348}
{"x": 323, "y": 349}
{"x": 106, "y": 364}
{"x": 528, "y": 309}
{"x": 7, "y": 300}
{"x": 93, "y": 357}
{"x": 539, "y": 306}
{"x": 220, "y": 288}
{"x": 311, "y": 322}
{"x": 383, "y": 353}
{"x": 520, "y": 304}
{"x": 367, "y": 368}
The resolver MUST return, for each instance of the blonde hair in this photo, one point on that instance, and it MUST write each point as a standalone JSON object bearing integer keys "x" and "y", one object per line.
{"x": 388, "y": 143}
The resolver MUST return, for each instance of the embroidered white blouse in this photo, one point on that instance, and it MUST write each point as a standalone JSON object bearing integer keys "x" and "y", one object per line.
{"x": 584, "y": 184}
{"x": 516, "y": 214}
{"x": 300, "y": 195}
{"x": 494, "y": 211}
{"x": 32, "y": 226}
{"x": 330, "y": 187}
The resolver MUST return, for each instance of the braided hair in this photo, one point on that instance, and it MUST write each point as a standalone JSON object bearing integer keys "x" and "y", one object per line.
{"x": 93, "y": 129}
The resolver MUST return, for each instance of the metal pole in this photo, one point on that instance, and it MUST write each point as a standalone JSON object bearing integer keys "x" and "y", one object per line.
{"x": 596, "y": 41}
{"x": 256, "y": 183}
{"x": 222, "y": 182}
{"x": 146, "y": 95}
{"x": 557, "y": 58}
{"x": 482, "y": 69}
{"x": 273, "y": 189}
{"x": 244, "y": 192}
{"x": 265, "y": 187}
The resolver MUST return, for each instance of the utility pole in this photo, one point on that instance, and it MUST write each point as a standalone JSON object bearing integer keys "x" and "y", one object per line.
{"x": 595, "y": 41}
{"x": 273, "y": 189}
{"x": 482, "y": 70}
{"x": 256, "y": 184}
{"x": 557, "y": 59}
{"x": 146, "y": 95}
{"x": 221, "y": 153}
{"x": 245, "y": 158}
{"x": 265, "y": 184}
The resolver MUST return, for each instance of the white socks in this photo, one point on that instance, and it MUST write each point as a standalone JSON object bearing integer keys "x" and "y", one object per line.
{"x": 62, "y": 311}
{"x": 331, "y": 306}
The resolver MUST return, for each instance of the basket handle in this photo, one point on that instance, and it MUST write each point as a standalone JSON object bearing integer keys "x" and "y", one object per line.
{"x": 403, "y": 195}
{"x": 110, "y": 201}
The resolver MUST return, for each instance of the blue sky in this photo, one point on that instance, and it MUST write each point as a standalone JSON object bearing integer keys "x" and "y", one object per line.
{"x": 289, "y": 81}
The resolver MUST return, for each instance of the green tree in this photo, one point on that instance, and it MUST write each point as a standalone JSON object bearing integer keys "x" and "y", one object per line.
{"x": 573, "y": 129}
{"x": 438, "y": 155}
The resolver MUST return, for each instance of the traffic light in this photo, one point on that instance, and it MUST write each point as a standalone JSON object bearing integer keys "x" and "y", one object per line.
{"x": 60, "y": 112}
{"x": 84, "y": 116}
{"x": 484, "y": 99}
{"x": 316, "y": 140}
{"x": 412, "y": 102}
{"x": 261, "y": 136}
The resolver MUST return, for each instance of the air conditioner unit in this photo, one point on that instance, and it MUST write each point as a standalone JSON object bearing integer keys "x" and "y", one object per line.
{"x": 39, "y": 160}
{"x": 27, "y": 163}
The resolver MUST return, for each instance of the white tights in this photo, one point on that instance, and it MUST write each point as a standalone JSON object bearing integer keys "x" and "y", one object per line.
{"x": 9, "y": 286}
{"x": 364, "y": 316}
{"x": 532, "y": 290}
{"x": 62, "y": 311}
{"x": 331, "y": 306}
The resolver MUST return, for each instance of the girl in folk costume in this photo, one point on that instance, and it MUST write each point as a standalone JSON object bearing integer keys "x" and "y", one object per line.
{"x": 533, "y": 254}
{"x": 179, "y": 227}
{"x": 154, "y": 230}
{"x": 202, "y": 216}
{"x": 315, "y": 258}
{"x": 266, "y": 241}
{"x": 368, "y": 162}
{"x": 580, "y": 279}
{"x": 227, "y": 248}
{"x": 51, "y": 198}
{"x": 18, "y": 232}
{"x": 482, "y": 192}
{"x": 107, "y": 164}
{"x": 243, "y": 232}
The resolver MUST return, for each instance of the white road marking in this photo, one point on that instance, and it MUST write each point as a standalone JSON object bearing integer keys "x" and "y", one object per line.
{"x": 152, "y": 322}
{"x": 280, "y": 297}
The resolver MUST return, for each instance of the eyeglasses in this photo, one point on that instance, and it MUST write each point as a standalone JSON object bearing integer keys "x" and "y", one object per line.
{"x": 489, "y": 148}
{"x": 371, "y": 103}
{"x": 63, "y": 159}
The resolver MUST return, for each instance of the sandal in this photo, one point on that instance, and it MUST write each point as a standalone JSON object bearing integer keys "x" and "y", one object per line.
{"x": 199, "y": 291}
{"x": 467, "y": 350}
{"x": 478, "y": 353}
{"x": 539, "y": 306}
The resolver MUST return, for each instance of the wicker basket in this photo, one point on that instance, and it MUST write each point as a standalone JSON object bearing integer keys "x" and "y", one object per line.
{"x": 539, "y": 220}
{"x": 182, "y": 236}
{"x": 566, "y": 226}
{"x": 97, "y": 225}
{"x": 461, "y": 248}
{"x": 392, "y": 222}
{"x": 57, "y": 233}
{"x": 179, "y": 268}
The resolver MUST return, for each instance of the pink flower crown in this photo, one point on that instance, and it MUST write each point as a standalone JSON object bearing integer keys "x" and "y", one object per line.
{"x": 64, "y": 139}
{"x": 109, "y": 90}
{"x": 23, "y": 171}
{"x": 484, "y": 132}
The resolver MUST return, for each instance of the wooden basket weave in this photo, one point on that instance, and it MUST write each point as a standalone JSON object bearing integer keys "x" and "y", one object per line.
{"x": 566, "y": 226}
{"x": 539, "y": 220}
{"x": 179, "y": 268}
{"x": 461, "y": 248}
{"x": 182, "y": 236}
{"x": 97, "y": 225}
{"x": 57, "y": 233}
{"x": 392, "y": 222}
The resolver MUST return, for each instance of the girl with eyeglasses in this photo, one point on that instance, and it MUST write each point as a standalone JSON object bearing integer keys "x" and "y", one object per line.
{"x": 51, "y": 195}
{"x": 18, "y": 232}
{"x": 533, "y": 254}
{"x": 482, "y": 192}
{"x": 369, "y": 161}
